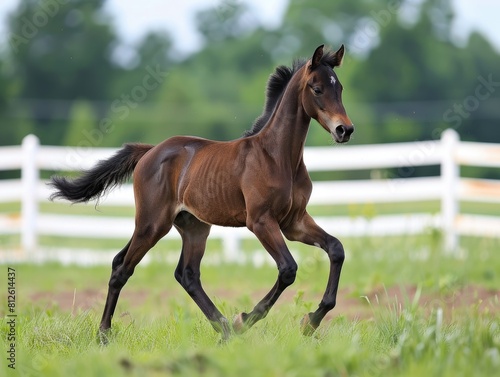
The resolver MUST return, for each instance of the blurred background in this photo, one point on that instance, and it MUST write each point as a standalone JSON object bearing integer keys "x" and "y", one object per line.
{"x": 101, "y": 73}
{"x": 96, "y": 73}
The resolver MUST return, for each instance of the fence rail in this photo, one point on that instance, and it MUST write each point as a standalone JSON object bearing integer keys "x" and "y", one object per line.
{"x": 449, "y": 188}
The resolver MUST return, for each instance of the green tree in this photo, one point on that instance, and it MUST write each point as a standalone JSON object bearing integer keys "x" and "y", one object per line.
{"x": 309, "y": 23}
{"x": 417, "y": 74}
{"x": 61, "y": 52}
{"x": 215, "y": 93}
{"x": 224, "y": 21}
{"x": 14, "y": 125}
{"x": 151, "y": 52}
{"x": 136, "y": 112}
{"x": 82, "y": 120}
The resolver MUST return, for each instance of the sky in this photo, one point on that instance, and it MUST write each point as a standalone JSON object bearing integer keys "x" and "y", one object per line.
{"x": 133, "y": 19}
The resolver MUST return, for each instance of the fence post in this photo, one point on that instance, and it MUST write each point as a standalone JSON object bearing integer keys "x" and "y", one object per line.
{"x": 231, "y": 246}
{"x": 450, "y": 175}
{"x": 29, "y": 201}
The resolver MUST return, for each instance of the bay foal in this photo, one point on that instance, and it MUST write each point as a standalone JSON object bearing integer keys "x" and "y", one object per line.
{"x": 258, "y": 181}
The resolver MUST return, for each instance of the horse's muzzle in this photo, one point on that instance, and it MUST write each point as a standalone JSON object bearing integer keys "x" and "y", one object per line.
{"x": 342, "y": 133}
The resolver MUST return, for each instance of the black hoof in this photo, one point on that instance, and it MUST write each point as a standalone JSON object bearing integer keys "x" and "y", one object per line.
{"x": 306, "y": 326}
{"x": 103, "y": 336}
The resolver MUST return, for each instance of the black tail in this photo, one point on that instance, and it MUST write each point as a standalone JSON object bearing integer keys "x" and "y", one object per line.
{"x": 106, "y": 175}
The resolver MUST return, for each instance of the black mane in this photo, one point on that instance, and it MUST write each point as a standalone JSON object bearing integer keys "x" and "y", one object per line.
{"x": 277, "y": 83}
{"x": 275, "y": 87}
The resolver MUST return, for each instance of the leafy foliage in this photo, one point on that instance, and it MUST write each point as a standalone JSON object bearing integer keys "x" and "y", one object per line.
{"x": 404, "y": 77}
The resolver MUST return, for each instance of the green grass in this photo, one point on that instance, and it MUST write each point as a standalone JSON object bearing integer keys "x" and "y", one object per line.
{"x": 420, "y": 333}
{"x": 396, "y": 343}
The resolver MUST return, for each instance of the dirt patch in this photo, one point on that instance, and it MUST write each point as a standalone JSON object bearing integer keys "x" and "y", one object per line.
{"x": 451, "y": 302}
{"x": 70, "y": 300}
{"x": 350, "y": 304}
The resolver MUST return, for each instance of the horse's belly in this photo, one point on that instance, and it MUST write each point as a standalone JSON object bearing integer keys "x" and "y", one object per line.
{"x": 219, "y": 217}
{"x": 223, "y": 210}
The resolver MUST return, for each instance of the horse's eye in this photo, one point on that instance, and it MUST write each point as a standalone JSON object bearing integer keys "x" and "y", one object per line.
{"x": 317, "y": 91}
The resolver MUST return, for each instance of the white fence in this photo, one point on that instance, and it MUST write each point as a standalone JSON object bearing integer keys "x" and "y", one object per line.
{"x": 449, "y": 188}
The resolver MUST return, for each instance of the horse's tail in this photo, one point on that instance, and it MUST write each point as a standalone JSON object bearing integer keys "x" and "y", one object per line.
{"x": 106, "y": 175}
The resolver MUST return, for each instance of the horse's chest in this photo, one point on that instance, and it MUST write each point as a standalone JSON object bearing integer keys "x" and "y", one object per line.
{"x": 292, "y": 198}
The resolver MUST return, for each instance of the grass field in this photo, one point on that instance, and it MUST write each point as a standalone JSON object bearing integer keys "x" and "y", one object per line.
{"x": 404, "y": 309}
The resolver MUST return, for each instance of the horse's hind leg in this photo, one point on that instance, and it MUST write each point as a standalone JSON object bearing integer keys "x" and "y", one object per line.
{"x": 194, "y": 235}
{"x": 113, "y": 294}
{"x": 146, "y": 235}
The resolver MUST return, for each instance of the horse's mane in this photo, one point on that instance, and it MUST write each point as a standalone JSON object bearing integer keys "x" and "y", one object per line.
{"x": 276, "y": 85}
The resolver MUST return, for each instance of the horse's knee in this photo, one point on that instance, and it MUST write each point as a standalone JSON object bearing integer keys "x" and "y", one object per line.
{"x": 119, "y": 278}
{"x": 190, "y": 280}
{"x": 336, "y": 251}
{"x": 117, "y": 260}
{"x": 288, "y": 273}
{"x": 178, "y": 275}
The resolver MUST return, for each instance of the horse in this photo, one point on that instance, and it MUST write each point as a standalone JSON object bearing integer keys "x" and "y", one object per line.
{"x": 258, "y": 180}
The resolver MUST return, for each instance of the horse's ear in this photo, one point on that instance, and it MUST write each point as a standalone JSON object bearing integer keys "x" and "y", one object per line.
{"x": 318, "y": 54}
{"x": 339, "y": 56}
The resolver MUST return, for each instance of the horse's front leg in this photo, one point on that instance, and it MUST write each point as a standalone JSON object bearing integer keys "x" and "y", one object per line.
{"x": 307, "y": 231}
{"x": 269, "y": 234}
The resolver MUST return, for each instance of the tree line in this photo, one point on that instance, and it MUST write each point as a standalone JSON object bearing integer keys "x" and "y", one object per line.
{"x": 67, "y": 77}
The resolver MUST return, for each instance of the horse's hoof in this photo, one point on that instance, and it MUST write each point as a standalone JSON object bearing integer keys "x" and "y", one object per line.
{"x": 239, "y": 326}
{"x": 224, "y": 339}
{"x": 103, "y": 336}
{"x": 306, "y": 326}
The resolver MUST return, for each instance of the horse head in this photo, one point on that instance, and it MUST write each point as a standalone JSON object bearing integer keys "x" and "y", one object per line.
{"x": 322, "y": 94}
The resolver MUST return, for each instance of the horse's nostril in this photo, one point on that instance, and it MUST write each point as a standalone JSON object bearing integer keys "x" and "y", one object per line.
{"x": 344, "y": 132}
{"x": 340, "y": 131}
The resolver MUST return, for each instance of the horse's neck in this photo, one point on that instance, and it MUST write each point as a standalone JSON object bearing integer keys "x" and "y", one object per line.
{"x": 285, "y": 134}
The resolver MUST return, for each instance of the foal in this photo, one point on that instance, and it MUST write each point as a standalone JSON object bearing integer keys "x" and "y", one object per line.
{"x": 258, "y": 181}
